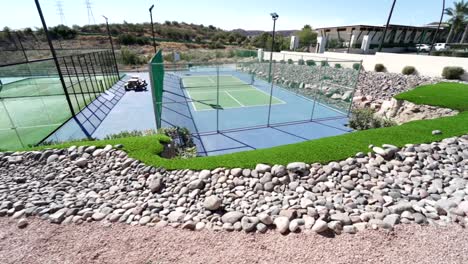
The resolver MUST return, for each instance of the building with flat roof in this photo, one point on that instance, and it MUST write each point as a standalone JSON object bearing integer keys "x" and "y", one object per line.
{"x": 367, "y": 37}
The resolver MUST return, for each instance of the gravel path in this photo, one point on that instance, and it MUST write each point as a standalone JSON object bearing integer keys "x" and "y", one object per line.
{"x": 42, "y": 242}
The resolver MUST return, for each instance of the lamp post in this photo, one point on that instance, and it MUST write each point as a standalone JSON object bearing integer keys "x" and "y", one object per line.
{"x": 112, "y": 45}
{"x": 275, "y": 17}
{"x": 152, "y": 27}
{"x": 386, "y": 27}
{"x": 438, "y": 28}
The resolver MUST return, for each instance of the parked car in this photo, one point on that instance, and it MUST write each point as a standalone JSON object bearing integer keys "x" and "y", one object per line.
{"x": 423, "y": 47}
{"x": 441, "y": 46}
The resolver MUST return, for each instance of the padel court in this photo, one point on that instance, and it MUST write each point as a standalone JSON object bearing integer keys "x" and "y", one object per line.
{"x": 233, "y": 93}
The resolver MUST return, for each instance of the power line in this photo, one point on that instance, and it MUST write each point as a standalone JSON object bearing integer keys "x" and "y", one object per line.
{"x": 91, "y": 19}
{"x": 59, "y": 6}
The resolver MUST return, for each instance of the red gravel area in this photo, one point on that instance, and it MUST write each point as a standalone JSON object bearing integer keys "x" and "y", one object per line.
{"x": 42, "y": 242}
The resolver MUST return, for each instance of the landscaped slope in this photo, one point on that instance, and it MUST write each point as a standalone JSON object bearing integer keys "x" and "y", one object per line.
{"x": 448, "y": 95}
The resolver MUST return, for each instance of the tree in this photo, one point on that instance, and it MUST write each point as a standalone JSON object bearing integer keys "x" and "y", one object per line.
{"x": 457, "y": 17}
{"x": 307, "y": 36}
{"x": 62, "y": 32}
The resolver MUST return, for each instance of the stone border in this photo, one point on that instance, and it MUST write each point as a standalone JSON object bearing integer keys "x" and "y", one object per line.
{"x": 422, "y": 184}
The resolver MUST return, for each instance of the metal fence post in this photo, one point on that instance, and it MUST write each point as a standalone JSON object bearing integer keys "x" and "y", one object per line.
{"x": 90, "y": 77}
{"x": 78, "y": 80}
{"x": 100, "y": 64}
{"x": 54, "y": 55}
{"x": 71, "y": 82}
{"x": 84, "y": 78}
{"x": 217, "y": 98}
{"x": 271, "y": 99}
{"x": 94, "y": 71}
{"x": 354, "y": 90}
{"x": 316, "y": 92}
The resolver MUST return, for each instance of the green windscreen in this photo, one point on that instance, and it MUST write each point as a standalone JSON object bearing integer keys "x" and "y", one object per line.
{"x": 156, "y": 69}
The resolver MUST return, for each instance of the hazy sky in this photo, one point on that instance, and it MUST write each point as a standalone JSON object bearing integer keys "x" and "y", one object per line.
{"x": 247, "y": 14}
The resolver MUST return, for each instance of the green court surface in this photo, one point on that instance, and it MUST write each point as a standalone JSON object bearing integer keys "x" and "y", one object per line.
{"x": 233, "y": 93}
{"x": 40, "y": 86}
{"x": 32, "y": 108}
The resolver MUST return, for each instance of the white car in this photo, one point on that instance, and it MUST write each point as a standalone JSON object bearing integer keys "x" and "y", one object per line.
{"x": 423, "y": 47}
{"x": 441, "y": 46}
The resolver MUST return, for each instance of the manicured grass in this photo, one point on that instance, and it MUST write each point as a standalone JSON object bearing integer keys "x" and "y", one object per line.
{"x": 447, "y": 95}
{"x": 321, "y": 150}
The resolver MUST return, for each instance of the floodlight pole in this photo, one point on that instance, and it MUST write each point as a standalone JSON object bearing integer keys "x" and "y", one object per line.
{"x": 438, "y": 28}
{"x": 272, "y": 47}
{"x": 386, "y": 27}
{"x": 275, "y": 17}
{"x": 112, "y": 46}
{"x": 152, "y": 27}
{"x": 54, "y": 56}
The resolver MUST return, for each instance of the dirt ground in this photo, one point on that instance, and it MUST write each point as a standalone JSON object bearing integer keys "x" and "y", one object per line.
{"x": 41, "y": 242}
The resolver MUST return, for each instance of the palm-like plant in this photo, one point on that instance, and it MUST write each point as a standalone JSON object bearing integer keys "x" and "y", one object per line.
{"x": 458, "y": 15}
{"x": 465, "y": 33}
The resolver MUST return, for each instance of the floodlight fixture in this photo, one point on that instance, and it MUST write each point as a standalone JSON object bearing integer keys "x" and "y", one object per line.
{"x": 112, "y": 44}
{"x": 270, "y": 79}
{"x": 152, "y": 26}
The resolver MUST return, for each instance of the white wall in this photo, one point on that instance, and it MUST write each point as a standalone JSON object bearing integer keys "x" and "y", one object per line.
{"x": 425, "y": 65}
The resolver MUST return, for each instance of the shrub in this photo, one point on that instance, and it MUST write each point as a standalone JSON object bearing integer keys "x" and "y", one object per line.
{"x": 357, "y": 66}
{"x": 129, "y": 57}
{"x": 461, "y": 54}
{"x": 364, "y": 118}
{"x": 310, "y": 63}
{"x": 452, "y": 73}
{"x": 282, "y": 61}
{"x": 301, "y": 62}
{"x": 290, "y": 61}
{"x": 324, "y": 63}
{"x": 379, "y": 67}
{"x": 338, "y": 66}
{"x": 408, "y": 70}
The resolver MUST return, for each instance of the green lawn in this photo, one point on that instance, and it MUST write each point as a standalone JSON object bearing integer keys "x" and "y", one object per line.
{"x": 447, "y": 95}
{"x": 321, "y": 150}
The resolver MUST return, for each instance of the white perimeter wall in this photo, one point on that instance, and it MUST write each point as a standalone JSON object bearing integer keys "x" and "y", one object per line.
{"x": 425, "y": 65}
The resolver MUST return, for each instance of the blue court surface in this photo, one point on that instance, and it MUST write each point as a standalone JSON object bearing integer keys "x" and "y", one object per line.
{"x": 228, "y": 130}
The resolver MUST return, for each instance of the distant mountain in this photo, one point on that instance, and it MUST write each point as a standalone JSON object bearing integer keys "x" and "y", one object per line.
{"x": 252, "y": 33}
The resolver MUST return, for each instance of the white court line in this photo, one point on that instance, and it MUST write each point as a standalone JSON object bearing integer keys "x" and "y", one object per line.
{"x": 191, "y": 101}
{"x": 234, "y": 98}
{"x": 211, "y": 80}
{"x": 256, "y": 89}
{"x": 202, "y": 110}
